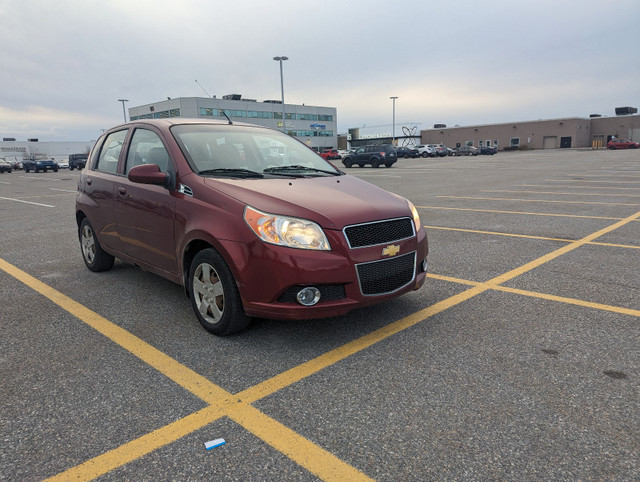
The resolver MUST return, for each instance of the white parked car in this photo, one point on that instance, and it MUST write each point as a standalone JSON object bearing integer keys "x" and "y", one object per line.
{"x": 426, "y": 151}
{"x": 63, "y": 164}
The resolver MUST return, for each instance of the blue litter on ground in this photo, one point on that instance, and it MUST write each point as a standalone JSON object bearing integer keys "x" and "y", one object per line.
{"x": 211, "y": 444}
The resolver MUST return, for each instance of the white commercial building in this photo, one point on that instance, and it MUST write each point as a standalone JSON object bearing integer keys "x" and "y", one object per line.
{"x": 315, "y": 126}
{"x": 11, "y": 149}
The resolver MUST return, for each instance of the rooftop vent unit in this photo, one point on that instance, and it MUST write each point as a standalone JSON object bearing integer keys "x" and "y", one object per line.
{"x": 626, "y": 110}
{"x": 595, "y": 115}
{"x": 439, "y": 126}
{"x": 232, "y": 97}
{"x": 272, "y": 101}
{"x": 8, "y": 139}
{"x": 33, "y": 139}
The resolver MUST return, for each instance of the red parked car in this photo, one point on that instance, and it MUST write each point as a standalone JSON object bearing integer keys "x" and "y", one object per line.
{"x": 330, "y": 154}
{"x": 622, "y": 144}
{"x": 249, "y": 220}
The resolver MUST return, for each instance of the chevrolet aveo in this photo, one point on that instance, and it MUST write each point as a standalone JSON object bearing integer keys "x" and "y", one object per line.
{"x": 249, "y": 220}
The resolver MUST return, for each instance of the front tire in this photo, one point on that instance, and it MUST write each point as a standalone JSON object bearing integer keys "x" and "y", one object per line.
{"x": 214, "y": 294}
{"x": 347, "y": 162}
{"x": 93, "y": 255}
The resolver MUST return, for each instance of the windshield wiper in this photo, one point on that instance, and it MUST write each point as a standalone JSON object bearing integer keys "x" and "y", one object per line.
{"x": 298, "y": 168}
{"x": 232, "y": 172}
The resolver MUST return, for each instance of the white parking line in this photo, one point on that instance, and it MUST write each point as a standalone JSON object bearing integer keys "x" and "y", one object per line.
{"x": 27, "y": 202}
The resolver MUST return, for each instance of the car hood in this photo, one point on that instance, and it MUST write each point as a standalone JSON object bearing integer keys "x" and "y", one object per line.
{"x": 332, "y": 202}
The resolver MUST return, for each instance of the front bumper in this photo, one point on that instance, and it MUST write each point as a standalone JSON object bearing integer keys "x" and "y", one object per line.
{"x": 268, "y": 276}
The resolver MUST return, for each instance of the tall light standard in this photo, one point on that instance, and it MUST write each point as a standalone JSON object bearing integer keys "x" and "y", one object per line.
{"x": 124, "y": 113}
{"x": 394, "y": 119}
{"x": 280, "y": 59}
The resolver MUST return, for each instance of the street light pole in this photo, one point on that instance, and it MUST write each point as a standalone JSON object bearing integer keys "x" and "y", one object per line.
{"x": 394, "y": 119}
{"x": 124, "y": 113}
{"x": 280, "y": 59}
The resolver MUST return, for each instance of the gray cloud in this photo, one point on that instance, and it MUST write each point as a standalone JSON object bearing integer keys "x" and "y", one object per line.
{"x": 458, "y": 62}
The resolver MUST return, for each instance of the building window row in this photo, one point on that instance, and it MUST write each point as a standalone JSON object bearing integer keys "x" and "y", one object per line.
{"x": 158, "y": 115}
{"x": 256, "y": 114}
{"x": 310, "y": 133}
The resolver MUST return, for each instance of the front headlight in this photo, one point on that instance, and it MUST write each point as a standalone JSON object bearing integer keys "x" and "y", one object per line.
{"x": 286, "y": 231}
{"x": 416, "y": 216}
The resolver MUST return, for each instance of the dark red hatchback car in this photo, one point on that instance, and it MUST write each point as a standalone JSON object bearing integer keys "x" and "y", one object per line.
{"x": 249, "y": 220}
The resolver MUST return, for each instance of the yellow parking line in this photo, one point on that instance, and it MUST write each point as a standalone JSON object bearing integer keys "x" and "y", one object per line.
{"x": 136, "y": 448}
{"x": 544, "y": 296}
{"x": 316, "y": 460}
{"x": 519, "y": 212}
{"x": 544, "y": 238}
{"x": 559, "y": 252}
{"x": 221, "y": 402}
{"x": 494, "y": 233}
{"x": 569, "y": 301}
{"x": 583, "y": 187}
{"x": 311, "y": 367}
{"x": 563, "y": 193}
{"x": 586, "y": 180}
{"x": 539, "y": 201}
{"x": 296, "y": 447}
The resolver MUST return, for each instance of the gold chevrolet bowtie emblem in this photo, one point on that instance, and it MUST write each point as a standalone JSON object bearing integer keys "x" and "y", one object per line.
{"x": 391, "y": 250}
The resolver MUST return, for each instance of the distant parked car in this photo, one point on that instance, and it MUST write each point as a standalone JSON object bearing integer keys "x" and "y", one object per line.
{"x": 40, "y": 165}
{"x": 406, "y": 152}
{"x": 374, "y": 155}
{"x": 329, "y": 154}
{"x": 465, "y": 151}
{"x": 77, "y": 161}
{"x": 426, "y": 151}
{"x": 15, "y": 164}
{"x": 441, "y": 149}
{"x": 622, "y": 144}
{"x": 342, "y": 153}
{"x": 63, "y": 164}
{"x": 5, "y": 166}
{"x": 488, "y": 150}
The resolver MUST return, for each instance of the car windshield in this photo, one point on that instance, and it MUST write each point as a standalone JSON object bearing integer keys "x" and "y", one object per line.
{"x": 245, "y": 151}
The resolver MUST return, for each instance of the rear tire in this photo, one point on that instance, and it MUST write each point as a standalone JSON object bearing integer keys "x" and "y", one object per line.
{"x": 214, "y": 294}
{"x": 93, "y": 255}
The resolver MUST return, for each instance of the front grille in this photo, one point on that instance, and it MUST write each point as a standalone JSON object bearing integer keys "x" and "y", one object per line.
{"x": 379, "y": 232}
{"x": 387, "y": 275}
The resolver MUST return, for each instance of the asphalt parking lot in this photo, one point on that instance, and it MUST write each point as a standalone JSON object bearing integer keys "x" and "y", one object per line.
{"x": 519, "y": 359}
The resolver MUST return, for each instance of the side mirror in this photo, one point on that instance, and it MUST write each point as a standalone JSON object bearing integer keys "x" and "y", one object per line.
{"x": 148, "y": 174}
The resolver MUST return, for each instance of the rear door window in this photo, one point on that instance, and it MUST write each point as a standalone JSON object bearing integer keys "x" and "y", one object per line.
{"x": 110, "y": 152}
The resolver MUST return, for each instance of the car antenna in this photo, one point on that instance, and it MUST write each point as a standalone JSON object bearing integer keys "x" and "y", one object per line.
{"x": 225, "y": 114}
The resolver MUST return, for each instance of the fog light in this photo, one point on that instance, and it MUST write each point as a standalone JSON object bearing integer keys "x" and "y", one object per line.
{"x": 425, "y": 265}
{"x": 308, "y": 296}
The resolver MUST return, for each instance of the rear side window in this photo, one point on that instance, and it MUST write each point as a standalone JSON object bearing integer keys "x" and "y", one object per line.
{"x": 110, "y": 152}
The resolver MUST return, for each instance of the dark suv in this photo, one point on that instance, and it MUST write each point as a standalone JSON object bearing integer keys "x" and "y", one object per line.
{"x": 374, "y": 155}
{"x": 40, "y": 165}
{"x": 77, "y": 161}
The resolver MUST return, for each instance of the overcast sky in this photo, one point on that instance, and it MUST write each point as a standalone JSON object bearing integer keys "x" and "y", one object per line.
{"x": 65, "y": 63}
